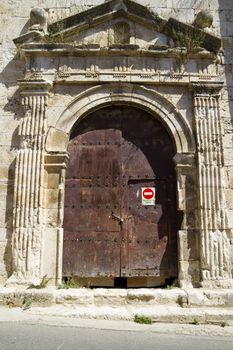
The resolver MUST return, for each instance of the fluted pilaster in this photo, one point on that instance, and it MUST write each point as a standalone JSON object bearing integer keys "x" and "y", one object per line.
{"x": 28, "y": 195}
{"x": 213, "y": 220}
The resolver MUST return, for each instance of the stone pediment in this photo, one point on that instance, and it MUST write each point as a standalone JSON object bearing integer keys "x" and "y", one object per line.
{"x": 121, "y": 25}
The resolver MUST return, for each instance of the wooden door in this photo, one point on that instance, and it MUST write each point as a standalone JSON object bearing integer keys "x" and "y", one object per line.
{"x": 108, "y": 232}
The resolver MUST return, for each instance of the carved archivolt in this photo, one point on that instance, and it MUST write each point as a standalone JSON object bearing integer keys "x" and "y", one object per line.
{"x": 130, "y": 94}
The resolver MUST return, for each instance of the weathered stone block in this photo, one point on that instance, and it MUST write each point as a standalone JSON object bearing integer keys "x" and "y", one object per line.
{"x": 5, "y": 218}
{"x": 4, "y": 235}
{"x": 228, "y": 159}
{"x": 53, "y": 180}
{"x": 31, "y": 297}
{"x": 110, "y": 297}
{"x": 57, "y": 141}
{"x": 155, "y": 296}
{"x": 229, "y": 198}
{"x": 78, "y": 296}
{"x": 51, "y": 198}
{"x": 50, "y": 253}
{"x": 5, "y": 256}
{"x": 6, "y": 156}
{"x": 184, "y": 249}
{"x": 51, "y": 217}
{"x": 197, "y": 298}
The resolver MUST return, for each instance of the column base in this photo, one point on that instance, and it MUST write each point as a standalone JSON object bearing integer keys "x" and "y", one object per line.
{"x": 221, "y": 283}
{"x": 16, "y": 280}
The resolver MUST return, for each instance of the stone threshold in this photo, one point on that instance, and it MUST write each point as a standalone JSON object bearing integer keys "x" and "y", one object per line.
{"x": 161, "y": 305}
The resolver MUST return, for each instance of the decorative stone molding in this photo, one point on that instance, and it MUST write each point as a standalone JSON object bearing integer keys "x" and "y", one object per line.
{"x": 28, "y": 195}
{"x": 215, "y": 232}
{"x": 131, "y": 94}
{"x": 38, "y": 18}
{"x": 203, "y": 19}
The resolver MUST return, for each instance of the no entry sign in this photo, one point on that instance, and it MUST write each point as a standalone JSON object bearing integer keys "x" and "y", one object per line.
{"x": 148, "y": 195}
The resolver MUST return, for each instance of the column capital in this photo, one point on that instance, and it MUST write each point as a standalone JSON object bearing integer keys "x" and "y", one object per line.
{"x": 34, "y": 87}
{"x": 56, "y": 160}
{"x": 184, "y": 160}
{"x": 206, "y": 89}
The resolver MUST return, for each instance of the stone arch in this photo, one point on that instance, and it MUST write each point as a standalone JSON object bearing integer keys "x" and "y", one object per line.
{"x": 103, "y": 95}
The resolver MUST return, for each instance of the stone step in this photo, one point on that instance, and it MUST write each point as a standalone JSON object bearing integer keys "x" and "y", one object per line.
{"x": 185, "y": 298}
{"x": 160, "y": 313}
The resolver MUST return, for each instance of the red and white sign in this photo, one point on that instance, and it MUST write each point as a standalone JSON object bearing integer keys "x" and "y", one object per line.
{"x": 148, "y": 195}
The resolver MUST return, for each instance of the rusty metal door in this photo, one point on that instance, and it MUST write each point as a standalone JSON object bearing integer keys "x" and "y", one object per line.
{"x": 114, "y": 153}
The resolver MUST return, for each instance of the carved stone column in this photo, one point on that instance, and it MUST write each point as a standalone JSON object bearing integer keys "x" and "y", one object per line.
{"x": 215, "y": 233}
{"x": 52, "y": 255}
{"x": 188, "y": 254}
{"x": 28, "y": 196}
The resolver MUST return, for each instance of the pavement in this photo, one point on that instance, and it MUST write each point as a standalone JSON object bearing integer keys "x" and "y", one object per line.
{"x": 50, "y": 333}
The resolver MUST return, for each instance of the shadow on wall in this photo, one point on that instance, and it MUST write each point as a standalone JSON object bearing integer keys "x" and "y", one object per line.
{"x": 25, "y": 27}
{"x": 14, "y": 70}
{"x": 8, "y": 220}
{"x": 13, "y": 106}
{"x": 226, "y": 32}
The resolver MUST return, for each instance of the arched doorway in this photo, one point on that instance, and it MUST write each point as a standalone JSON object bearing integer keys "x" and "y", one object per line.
{"x": 110, "y": 229}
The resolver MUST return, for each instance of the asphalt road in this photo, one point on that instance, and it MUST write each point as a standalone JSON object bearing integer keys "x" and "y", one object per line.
{"x": 20, "y": 336}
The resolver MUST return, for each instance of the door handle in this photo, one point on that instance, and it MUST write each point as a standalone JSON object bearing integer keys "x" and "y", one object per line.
{"x": 118, "y": 218}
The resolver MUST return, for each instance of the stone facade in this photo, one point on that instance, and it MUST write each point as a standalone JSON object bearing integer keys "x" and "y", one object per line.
{"x": 61, "y": 66}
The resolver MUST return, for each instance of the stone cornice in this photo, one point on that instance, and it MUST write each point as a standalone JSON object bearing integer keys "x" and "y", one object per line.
{"x": 210, "y": 42}
{"x": 134, "y": 76}
{"x": 57, "y": 49}
{"x": 102, "y": 12}
{"x": 198, "y": 83}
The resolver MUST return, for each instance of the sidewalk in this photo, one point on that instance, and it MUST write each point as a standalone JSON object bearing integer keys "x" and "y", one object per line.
{"x": 30, "y": 316}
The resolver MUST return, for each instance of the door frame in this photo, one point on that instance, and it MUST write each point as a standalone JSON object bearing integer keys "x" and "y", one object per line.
{"x": 157, "y": 106}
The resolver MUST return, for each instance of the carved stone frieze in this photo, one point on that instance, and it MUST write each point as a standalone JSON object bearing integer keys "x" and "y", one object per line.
{"x": 63, "y": 72}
